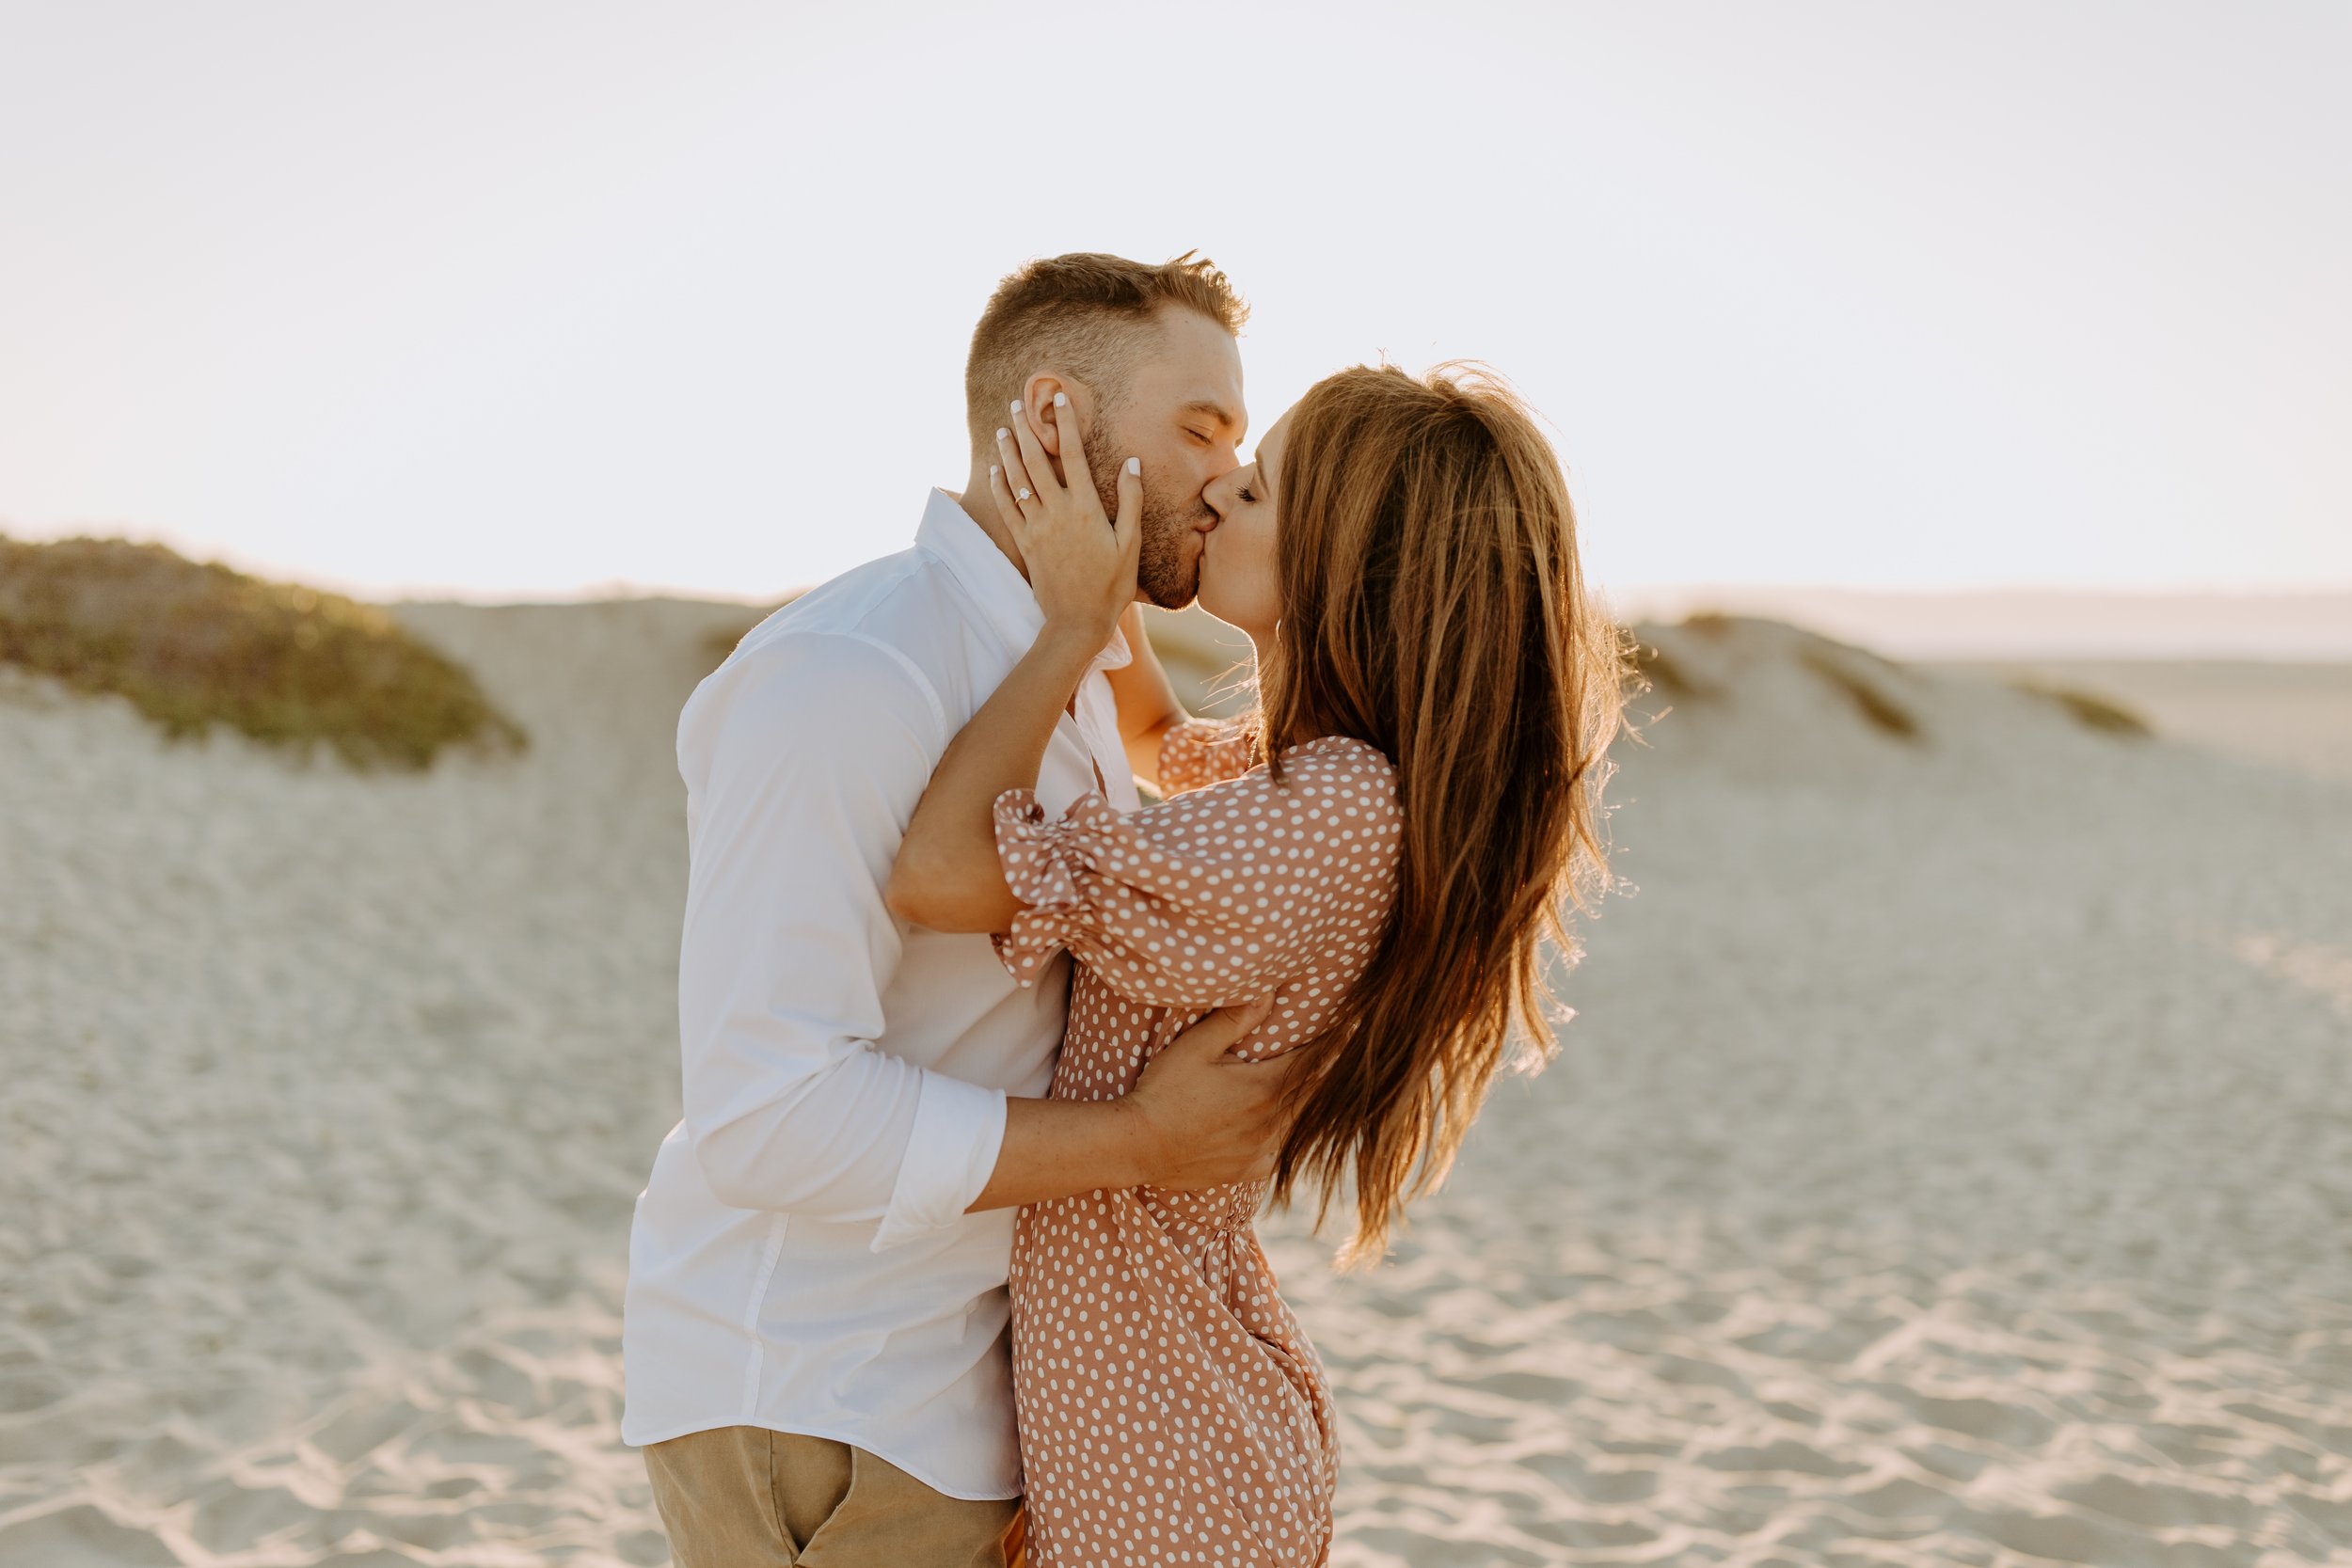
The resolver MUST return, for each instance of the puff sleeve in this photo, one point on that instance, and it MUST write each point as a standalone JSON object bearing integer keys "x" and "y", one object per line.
{"x": 1213, "y": 895}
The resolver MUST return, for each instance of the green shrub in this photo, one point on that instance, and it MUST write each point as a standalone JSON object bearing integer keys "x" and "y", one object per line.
{"x": 194, "y": 644}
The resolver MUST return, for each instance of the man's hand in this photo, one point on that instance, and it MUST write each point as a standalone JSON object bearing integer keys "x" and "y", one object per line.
{"x": 1207, "y": 1118}
{"x": 1198, "y": 1117}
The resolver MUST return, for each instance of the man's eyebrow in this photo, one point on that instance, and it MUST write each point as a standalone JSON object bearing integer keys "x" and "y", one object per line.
{"x": 1218, "y": 411}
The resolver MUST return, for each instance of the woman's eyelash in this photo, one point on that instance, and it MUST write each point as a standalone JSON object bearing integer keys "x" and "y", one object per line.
{"x": 1246, "y": 495}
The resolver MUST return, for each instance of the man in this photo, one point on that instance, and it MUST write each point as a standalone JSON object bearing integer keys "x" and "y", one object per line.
{"x": 816, "y": 1312}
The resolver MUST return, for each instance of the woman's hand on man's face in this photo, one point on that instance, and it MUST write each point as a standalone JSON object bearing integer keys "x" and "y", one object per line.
{"x": 1081, "y": 565}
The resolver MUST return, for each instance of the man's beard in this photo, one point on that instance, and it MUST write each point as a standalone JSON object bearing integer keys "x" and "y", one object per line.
{"x": 1163, "y": 574}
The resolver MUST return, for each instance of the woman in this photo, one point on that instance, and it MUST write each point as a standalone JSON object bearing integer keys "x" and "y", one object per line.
{"x": 1380, "y": 853}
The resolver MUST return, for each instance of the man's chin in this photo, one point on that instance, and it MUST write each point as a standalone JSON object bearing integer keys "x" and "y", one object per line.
{"x": 1174, "y": 598}
{"x": 1175, "y": 583}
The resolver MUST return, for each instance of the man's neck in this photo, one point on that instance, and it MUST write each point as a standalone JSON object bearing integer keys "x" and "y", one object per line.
{"x": 978, "y": 506}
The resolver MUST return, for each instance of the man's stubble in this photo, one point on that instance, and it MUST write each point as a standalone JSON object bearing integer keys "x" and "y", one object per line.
{"x": 1163, "y": 575}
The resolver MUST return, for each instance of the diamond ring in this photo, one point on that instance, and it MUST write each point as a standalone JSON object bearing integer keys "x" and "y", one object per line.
{"x": 1021, "y": 495}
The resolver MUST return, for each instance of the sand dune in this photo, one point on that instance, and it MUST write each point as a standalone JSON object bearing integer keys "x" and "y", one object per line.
{"x": 1950, "y": 1163}
{"x": 2311, "y": 625}
{"x": 2298, "y": 716}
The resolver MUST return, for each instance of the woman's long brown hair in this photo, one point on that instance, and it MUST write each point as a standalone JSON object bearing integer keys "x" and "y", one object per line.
{"x": 1433, "y": 604}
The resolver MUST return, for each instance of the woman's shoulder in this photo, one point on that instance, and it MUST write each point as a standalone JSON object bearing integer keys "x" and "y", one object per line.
{"x": 1339, "y": 771}
{"x": 1333, "y": 781}
{"x": 1334, "y": 809}
{"x": 1197, "y": 753}
{"x": 1338, "y": 757}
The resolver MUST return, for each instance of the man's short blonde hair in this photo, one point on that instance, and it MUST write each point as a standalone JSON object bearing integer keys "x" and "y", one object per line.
{"x": 1082, "y": 314}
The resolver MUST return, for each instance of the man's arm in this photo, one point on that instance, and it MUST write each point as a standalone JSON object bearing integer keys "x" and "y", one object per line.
{"x": 805, "y": 763}
{"x": 1148, "y": 704}
{"x": 1198, "y": 1118}
{"x": 807, "y": 771}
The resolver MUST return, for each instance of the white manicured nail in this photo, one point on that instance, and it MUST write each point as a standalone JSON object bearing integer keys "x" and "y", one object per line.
{"x": 1002, "y": 433}
{"x": 994, "y": 471}
{"x": 1016, "y": 405}
{"x": 1135, "y": 465}
{"x": 1061, "y": 400}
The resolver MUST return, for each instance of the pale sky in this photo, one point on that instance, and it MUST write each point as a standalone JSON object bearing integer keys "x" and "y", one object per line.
{"x": 522, "y": 298}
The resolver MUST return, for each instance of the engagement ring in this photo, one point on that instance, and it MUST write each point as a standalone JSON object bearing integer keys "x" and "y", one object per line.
{"x": 1021, "y": 495}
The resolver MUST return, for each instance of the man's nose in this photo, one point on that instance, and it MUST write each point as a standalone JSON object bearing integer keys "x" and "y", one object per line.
{"x": 1214, "y": 496}
{"x": 1217, "y": 491}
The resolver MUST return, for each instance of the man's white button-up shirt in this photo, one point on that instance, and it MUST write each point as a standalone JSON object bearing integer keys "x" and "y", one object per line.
{"x": 800, "y": 1259}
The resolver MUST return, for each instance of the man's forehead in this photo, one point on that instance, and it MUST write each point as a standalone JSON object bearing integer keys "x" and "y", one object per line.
{"x": 1193, "y": 365}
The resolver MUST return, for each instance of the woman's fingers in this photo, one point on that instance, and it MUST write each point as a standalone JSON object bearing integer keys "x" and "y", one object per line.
{"x": 1017, "y": 481}
{"x": 1033, "y": 456}
{"x": 1073, "y": 456}
{"x": 1128, "y": 526}
{"x": 1007, "y": 508}
{"x": 1081, "y": 565}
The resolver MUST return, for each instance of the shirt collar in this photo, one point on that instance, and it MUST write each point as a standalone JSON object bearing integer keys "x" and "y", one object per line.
{"x": 994, "y": 583}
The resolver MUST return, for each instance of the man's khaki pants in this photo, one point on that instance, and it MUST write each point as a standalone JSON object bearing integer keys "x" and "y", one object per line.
{"x": 747, "y": 1497}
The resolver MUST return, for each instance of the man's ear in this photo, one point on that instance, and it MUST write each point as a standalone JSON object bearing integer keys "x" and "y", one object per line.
{"x": 1036, "y": 406}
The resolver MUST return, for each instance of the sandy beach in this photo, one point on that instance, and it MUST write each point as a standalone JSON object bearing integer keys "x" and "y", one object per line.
{"x": 1951, "y": 1161}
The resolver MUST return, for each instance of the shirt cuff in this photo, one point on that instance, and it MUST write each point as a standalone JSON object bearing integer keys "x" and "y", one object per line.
{"x": 958, "y": 1130}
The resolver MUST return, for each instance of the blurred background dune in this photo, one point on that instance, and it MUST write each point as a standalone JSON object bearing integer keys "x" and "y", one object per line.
{"x": 1947, "y": 1163}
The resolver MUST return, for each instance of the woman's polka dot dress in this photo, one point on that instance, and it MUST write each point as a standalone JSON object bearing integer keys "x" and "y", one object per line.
{"x": 1171, "y": 1409}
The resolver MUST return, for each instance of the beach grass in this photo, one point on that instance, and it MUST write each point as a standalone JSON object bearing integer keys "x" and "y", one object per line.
{"x": 1878, "y": 709}
{"x": 194, "y": 644}
{"x": 2089, "y": 709}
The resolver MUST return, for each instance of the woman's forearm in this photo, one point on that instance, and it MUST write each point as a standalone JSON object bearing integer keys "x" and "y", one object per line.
{"x": 947, "y": 875}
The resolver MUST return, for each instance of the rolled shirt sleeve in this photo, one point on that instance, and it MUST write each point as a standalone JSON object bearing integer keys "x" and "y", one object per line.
{"x": 959, "y": 1132}
{"x": 803, "y": 760}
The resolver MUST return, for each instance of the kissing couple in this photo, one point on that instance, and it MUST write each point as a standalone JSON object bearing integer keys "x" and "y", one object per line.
{"x": 988, "y": 1064}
